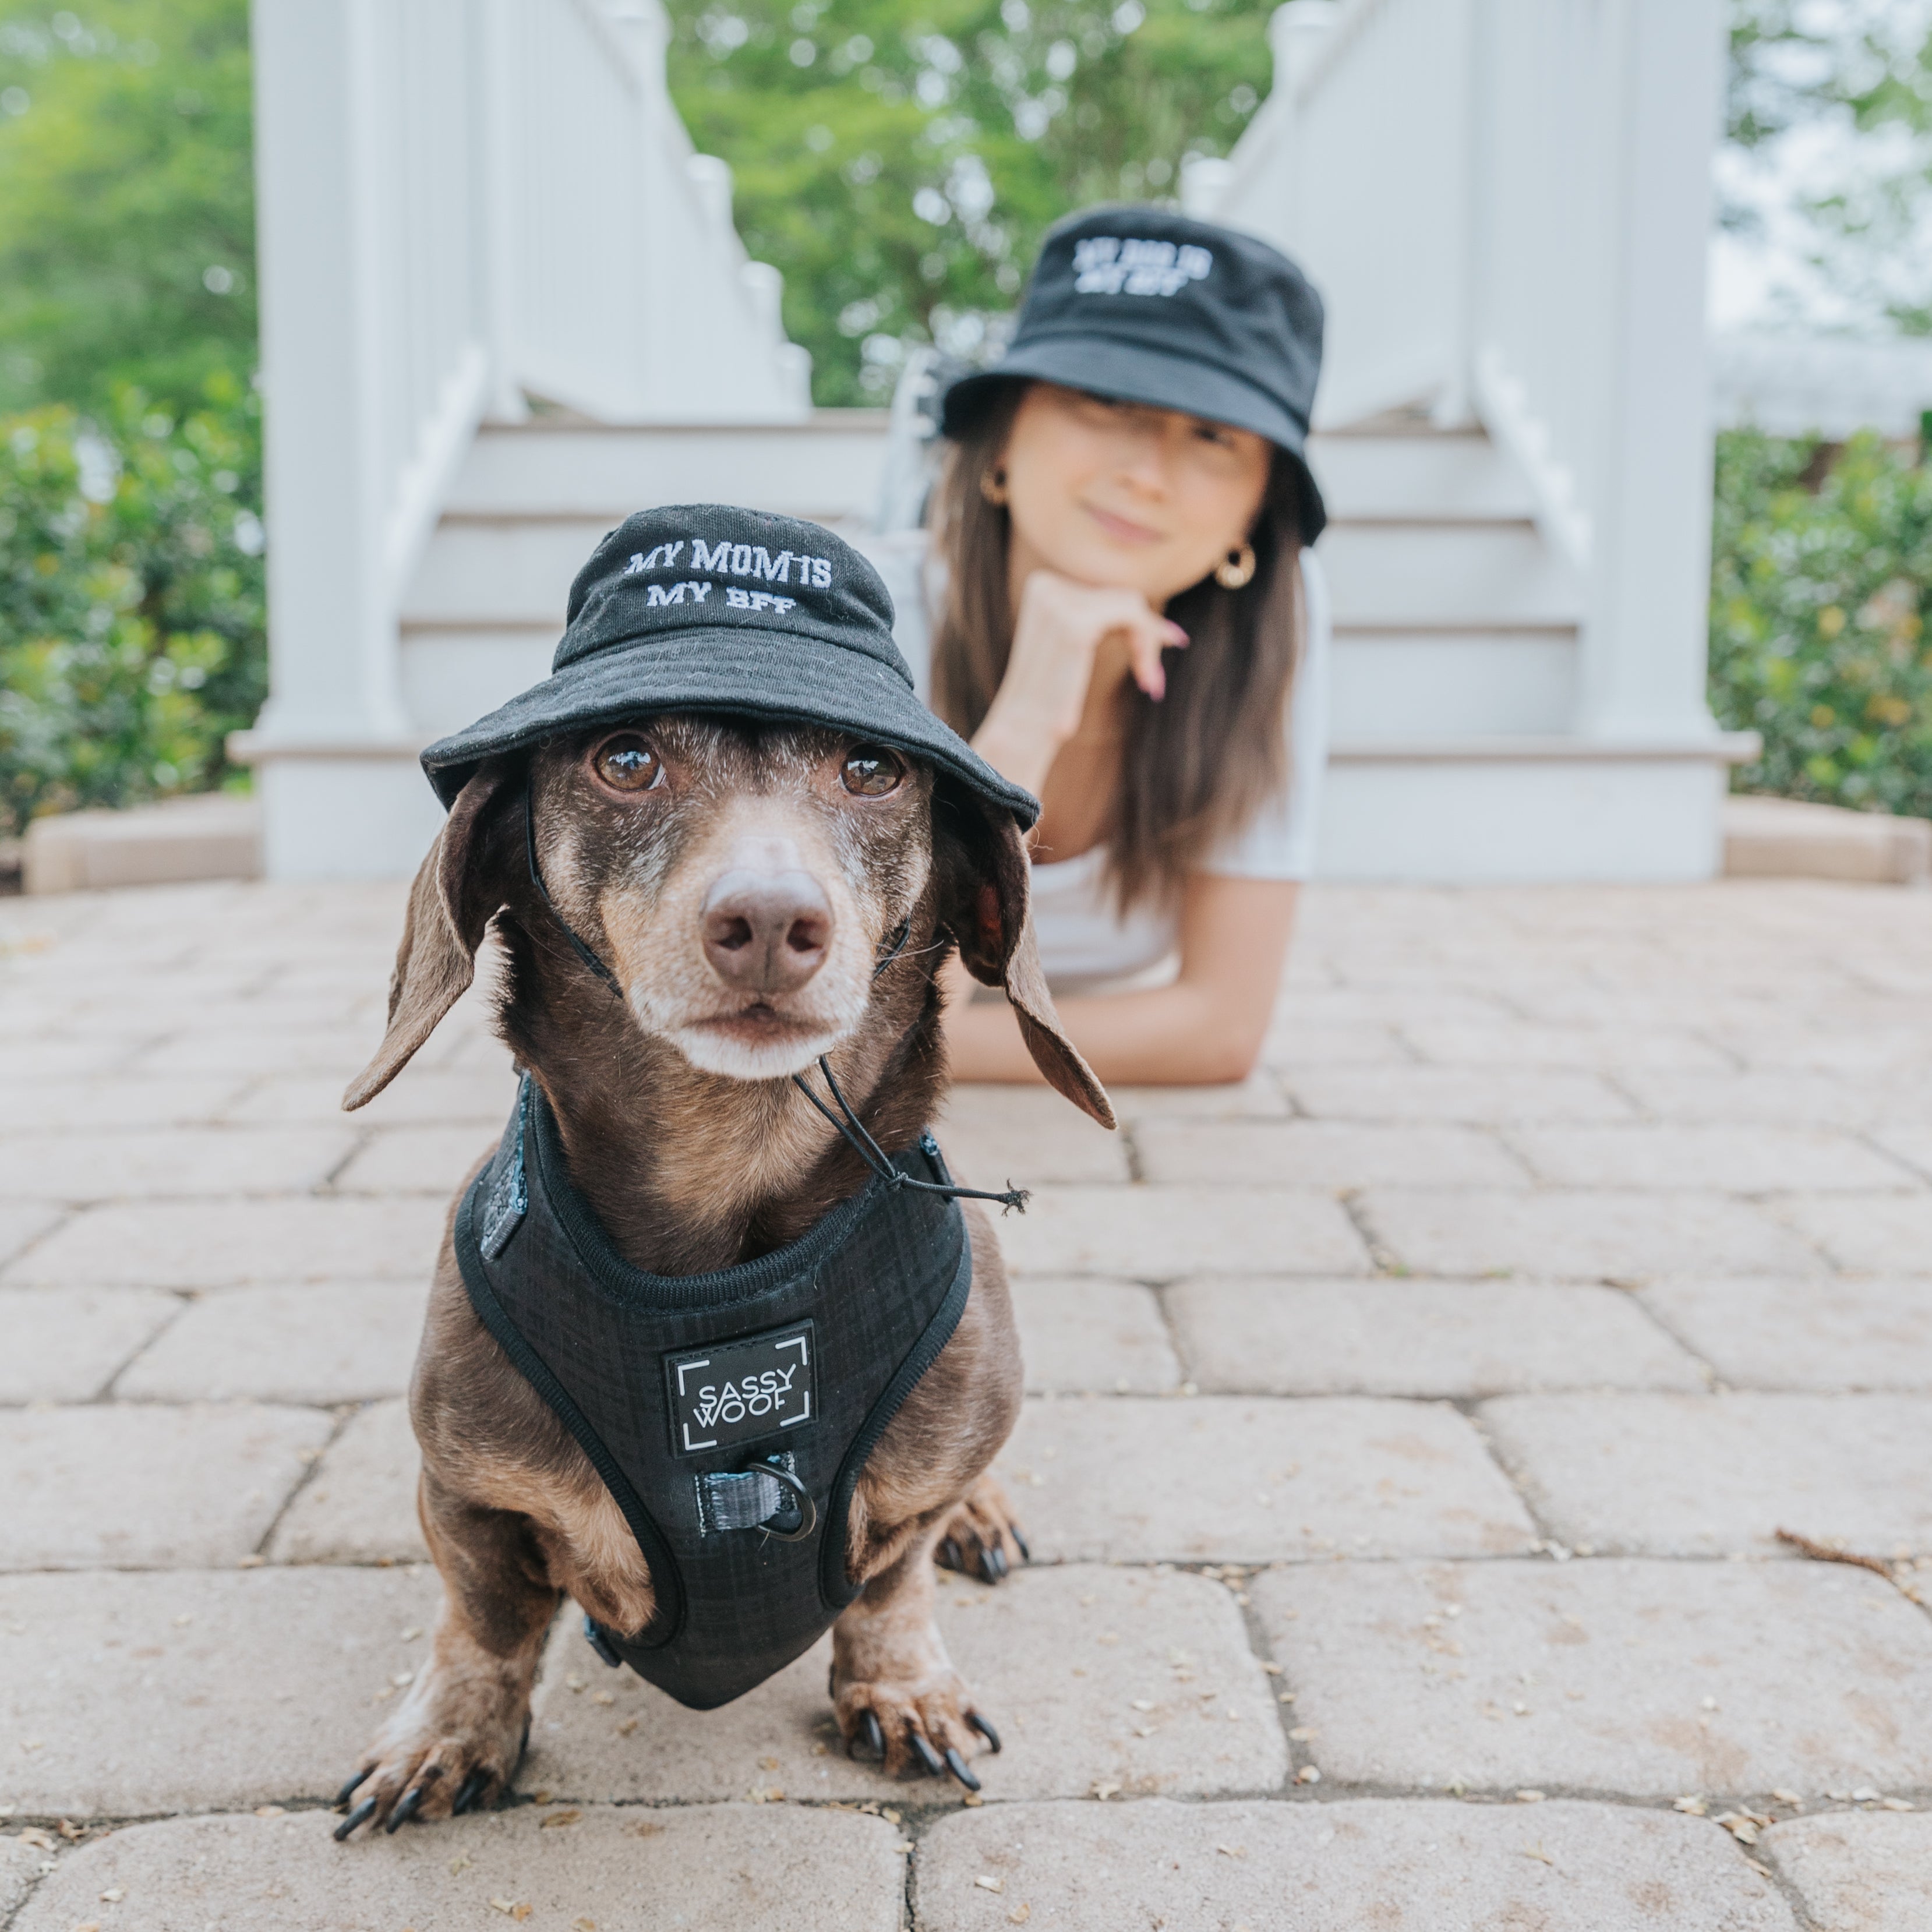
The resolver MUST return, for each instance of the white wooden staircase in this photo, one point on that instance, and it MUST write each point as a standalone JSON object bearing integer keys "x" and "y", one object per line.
{"x": 1505, "y": 203}
{"x": 1455, "y": 668}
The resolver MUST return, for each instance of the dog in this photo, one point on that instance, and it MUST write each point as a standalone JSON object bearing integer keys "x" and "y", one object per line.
{"x": 692, "y": 909}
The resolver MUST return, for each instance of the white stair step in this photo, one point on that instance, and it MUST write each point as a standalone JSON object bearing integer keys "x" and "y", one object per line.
{"x": 827, "y": 469}
{"x": 485, "y": 572}
{"x": 1570, "y": 813}
{"x": 1411, "y": 684}
{"x": 1435, "y": 577}
{"x": 480, "y": 571}
{"x": 451, "y": 677}
{"x": 830, "y": 468}
{"x": 1386, "y": 686}
{"x": 1417, "y": 477}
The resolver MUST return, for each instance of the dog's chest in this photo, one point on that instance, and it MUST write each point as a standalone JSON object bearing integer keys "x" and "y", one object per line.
{"x": 729, "y": 1415}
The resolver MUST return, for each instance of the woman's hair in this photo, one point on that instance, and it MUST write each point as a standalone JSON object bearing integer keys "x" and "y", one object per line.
{"x": 1194, "y": 768}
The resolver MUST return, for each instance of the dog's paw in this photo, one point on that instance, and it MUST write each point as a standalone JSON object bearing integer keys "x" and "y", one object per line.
{"x": 981, "y": 1538}
{"x": 425, "y": 1768}
{"x": 929, "y": 1727}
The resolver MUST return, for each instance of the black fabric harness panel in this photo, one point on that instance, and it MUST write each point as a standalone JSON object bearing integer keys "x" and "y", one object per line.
{"x": 701, "y": 1399}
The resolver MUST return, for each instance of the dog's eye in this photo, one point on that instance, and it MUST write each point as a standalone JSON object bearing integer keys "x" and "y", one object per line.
{"x": 628, "y": 763}
{"x": 871, "y": 773}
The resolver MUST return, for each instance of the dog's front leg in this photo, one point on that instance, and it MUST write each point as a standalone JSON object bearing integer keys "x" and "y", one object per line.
{"x": 892, "y": 1683}
{"x": 453, "y": 1743}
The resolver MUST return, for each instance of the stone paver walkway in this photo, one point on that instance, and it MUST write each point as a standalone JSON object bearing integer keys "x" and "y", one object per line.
{"x": 1411, "y": 1429}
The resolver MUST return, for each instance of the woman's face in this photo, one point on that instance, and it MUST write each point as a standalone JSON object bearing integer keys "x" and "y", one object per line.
{"x": 1127, "y": 496}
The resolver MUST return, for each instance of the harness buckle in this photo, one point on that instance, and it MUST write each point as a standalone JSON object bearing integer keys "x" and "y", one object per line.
{"x": 759, "y": 1497}
{"x": 807, "y": 1510}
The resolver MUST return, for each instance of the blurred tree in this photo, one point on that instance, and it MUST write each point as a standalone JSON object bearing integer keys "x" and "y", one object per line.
{"x": 130, "y": 599}
{"x": 1830, "y": 120}
{"x": 126, "y": 201}
{"x": 1821, "y": 587}
{"x": 898, "y": 160}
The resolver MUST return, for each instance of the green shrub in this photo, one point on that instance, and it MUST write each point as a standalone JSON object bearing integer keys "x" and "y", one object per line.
{"x": 1820, "y": 589}
{"x": 131, "y": 619}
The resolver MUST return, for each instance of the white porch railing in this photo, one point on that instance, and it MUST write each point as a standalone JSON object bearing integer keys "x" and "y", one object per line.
{"x": 1504, "y": 202}
{"x": 462, "y": 202}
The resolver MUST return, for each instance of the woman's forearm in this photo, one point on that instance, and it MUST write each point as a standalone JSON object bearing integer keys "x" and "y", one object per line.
{"x": 1205, "y": 1029}
{"x": 1171, "y": 1035}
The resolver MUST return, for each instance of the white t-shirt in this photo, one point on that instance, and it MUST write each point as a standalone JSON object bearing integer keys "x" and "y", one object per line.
{"x": 1084, "y": 940}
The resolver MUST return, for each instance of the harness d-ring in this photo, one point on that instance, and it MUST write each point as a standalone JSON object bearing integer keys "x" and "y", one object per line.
{"x": 808, "y": 1509}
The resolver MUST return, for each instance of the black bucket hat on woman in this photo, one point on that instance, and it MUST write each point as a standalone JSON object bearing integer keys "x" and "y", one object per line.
{"x": 700, "y": 606}
{"x": 1146, "y": 305}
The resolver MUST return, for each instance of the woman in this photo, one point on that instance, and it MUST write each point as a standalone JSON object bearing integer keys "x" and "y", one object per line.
{"x": 1127, "y": 625}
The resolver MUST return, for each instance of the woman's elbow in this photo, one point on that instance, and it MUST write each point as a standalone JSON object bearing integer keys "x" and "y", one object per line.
{"x": 1226, "y": 1054}
{"x": 1229, "y": 1065}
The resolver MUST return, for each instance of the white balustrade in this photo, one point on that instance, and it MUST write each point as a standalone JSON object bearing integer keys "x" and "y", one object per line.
{"x": 463, "y": 204}
{"x": 1505, "y": 204}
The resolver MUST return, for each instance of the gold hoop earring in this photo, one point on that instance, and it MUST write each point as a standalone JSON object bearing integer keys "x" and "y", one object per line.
{"x": 993, "y": 487}
{"x": 1237, "y": 569}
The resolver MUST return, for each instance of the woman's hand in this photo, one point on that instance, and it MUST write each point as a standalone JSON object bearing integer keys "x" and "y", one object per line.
{"x": 1061, "y": 627}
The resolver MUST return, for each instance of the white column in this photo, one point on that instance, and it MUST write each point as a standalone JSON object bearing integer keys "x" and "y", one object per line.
{"x": 1644, "y": 643}
{"x": 498, "y": 205}
{"x": 341, "y": 794}
{"x": 331, "y": 622}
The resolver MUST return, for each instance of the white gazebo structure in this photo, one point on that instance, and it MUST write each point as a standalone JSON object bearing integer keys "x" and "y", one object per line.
{"x": 469, "y": 206}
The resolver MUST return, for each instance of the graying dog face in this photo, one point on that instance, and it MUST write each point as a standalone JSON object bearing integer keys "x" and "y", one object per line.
{"x": 739, "y": 881}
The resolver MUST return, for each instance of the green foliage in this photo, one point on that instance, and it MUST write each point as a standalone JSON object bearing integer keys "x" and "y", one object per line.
{"x": 1819, "y": 600}
{"x": 131, "y": 621}
{"x": 898, "y": 160}
{"x": 127, "y": 201}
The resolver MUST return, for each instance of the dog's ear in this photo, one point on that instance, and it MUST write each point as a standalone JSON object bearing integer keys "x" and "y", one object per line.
{"x": 454, "y": 897}
{"x": 985, "y": 885}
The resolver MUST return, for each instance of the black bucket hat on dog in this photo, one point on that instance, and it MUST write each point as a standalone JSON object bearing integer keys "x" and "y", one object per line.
{"x": 1146, "y": 305}
{"x": 700, "y": 606}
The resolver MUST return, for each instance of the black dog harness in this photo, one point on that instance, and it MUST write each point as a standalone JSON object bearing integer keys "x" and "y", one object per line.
{"x": 730, "y": 1414}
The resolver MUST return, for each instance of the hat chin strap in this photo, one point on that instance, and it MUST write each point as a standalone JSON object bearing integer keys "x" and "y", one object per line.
{"x": 578, "y": 945}
{"x": 850, "y": 1126}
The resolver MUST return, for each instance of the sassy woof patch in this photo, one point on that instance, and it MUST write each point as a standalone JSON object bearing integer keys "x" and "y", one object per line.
{"x": 735, "y": 1392}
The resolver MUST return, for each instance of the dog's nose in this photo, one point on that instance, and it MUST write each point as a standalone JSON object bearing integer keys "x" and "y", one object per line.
{"x": 767, "y": 932}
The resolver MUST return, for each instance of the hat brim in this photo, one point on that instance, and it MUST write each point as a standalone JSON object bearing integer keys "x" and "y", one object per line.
{"x": 733, "y": 672}
{"x": 1128, "y": 372}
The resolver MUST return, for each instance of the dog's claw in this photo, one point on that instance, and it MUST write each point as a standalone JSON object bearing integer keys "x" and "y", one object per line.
{"x": 1019, "y": 1542}
{"x": 985, "y": 1730}
{"x": 874, "y": 1736}
{"x": 955, "y": 1558}
{"x": 927, "y": 1757}
{"x": 468, "y": 1791}
{"x": 412, "y": 1802}
{"x": 366, "y": 1809}
{"x": 349, "y": 1790}
{"x": 955, "y": 1764}
{"x": 992, "y": 1562}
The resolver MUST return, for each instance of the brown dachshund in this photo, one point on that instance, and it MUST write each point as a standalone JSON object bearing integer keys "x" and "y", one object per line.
{"x": 757, "y": 896}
